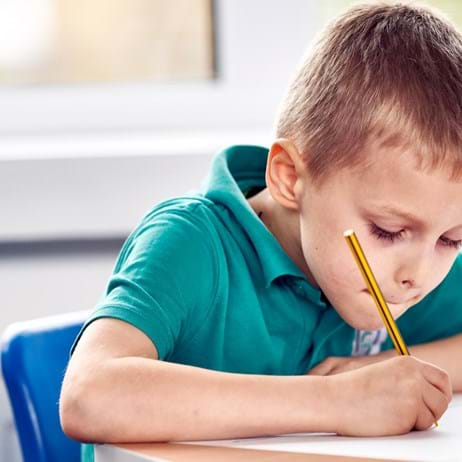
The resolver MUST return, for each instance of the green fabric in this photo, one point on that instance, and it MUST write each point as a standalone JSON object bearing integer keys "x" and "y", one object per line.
{"x": 207, "y": 282}
{"x": 87, "y": 453}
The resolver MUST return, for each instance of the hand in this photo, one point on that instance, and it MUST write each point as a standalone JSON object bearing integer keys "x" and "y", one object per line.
{"x": 390, "y": 397}
{"x": 336, "y": 364}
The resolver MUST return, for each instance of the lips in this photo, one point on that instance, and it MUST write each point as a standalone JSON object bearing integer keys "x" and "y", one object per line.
{"x": 389, "y": 302}
{"x": 409, "y": 302}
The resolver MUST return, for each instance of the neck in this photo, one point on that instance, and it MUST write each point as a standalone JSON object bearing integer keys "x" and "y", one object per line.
{"x": 284, "y": 224}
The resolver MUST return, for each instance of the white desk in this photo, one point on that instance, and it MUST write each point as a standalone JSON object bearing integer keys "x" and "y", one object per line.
{"x": 440, "y": 444}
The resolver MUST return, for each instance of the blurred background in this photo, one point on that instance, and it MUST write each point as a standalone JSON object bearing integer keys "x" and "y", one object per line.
{"x": 109, "y": 106}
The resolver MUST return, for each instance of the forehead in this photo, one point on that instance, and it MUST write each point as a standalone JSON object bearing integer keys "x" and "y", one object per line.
{"x": 402, "y": 168}
{"x": 393, "y": 178}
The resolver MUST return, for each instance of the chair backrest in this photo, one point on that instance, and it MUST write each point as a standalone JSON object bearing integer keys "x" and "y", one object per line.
{"x": 34, "y": 358}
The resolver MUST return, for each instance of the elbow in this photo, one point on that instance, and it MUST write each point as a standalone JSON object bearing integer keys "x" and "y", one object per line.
{"x": 74, "y": 411}
{"x": 71, "y": 423}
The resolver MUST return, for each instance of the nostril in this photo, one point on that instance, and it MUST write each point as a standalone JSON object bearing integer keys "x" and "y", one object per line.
{"x": 408, "y": 283}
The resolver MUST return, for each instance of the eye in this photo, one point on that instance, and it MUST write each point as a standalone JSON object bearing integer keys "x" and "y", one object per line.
{"x": 391, "y": 236}
{"x": 454, "y": 244}
{"x": 381, "y": 233}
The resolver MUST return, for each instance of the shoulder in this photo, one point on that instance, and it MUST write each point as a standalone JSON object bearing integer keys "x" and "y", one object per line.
{"x": 180, "y": 224}
{"x": 192, "y": 209}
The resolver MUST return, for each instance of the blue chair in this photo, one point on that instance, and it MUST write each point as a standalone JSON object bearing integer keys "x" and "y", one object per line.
{"x": 34, "y": 357}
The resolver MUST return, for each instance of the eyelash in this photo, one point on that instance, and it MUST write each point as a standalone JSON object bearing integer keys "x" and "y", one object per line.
{"x": 381, "y": 233}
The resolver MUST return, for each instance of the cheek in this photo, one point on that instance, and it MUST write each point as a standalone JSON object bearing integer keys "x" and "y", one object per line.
{"x": 335, "y": 271}
{"x": 342, "y": 276}
{"x": 382, "y": 261}
{"x": 437, "y": 274}
{"x": 329, "y": 258}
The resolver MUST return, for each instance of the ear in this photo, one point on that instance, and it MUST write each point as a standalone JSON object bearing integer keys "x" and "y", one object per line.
{"x": 284, "y": 169}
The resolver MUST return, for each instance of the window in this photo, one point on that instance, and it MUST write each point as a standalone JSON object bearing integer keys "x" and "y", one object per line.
{"x": 245, "y": 68}
{"x": 68, "y": 41}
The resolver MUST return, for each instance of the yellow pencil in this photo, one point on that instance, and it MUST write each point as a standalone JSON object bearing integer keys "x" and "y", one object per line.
{"x": 376, "y": 294}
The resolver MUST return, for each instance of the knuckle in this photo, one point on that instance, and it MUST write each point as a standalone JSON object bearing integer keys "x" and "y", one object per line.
{"x": 406, "y": 363}
{"x": 444, "y": 376}
{"x": 440, "y": 374}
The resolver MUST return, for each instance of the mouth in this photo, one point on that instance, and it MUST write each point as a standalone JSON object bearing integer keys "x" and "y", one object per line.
{"x": 411, "y": 301}
{"x": 408, "y": 302}
{"x": 389, "y": 302}
{"x": 396, "y": 310}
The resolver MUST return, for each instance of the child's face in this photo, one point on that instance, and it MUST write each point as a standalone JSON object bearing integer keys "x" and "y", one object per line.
{"x": 409, "y": 256}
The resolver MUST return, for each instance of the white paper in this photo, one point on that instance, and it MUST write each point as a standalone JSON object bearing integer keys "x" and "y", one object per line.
{"x": 443, "y": 443}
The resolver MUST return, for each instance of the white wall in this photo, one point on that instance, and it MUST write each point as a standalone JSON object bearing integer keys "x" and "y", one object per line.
{"x": 80, "y": 165}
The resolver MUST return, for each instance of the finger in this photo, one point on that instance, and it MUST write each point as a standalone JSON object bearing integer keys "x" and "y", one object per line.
{"x": 425, "y": 419}
{"x": 438, "y": 378}
{"x": 321, "y": 369}
{"x": 317, "y": 370}
{"x": 436, "y": 402}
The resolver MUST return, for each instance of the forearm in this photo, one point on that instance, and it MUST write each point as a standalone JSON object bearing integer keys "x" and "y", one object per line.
{"x": 138, "y": 399}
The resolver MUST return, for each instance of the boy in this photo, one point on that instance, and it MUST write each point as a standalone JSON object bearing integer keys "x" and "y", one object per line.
{"x": 239, "y": 311}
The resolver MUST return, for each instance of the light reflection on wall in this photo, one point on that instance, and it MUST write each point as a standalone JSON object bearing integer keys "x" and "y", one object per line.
{"x": 27, "y": 33}
{"x": 68, "y": 41}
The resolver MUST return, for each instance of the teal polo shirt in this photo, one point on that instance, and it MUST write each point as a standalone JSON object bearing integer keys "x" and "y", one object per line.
{"x": 208, "y": 283}
{"x": 211, "y": 287}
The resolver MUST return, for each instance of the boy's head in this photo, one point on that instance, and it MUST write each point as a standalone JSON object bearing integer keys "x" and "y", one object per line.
{"x": 369, "y": 134}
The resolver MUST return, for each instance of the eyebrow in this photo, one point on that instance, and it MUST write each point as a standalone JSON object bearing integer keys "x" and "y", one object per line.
{"x": 393, "y": 210}
{"x": 390, "y": 209}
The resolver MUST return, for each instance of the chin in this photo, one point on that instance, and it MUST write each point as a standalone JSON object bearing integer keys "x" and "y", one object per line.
{"x": 366, "y": 322}
{"x": 366, "y": 316}
{"x": 369, "y": 324}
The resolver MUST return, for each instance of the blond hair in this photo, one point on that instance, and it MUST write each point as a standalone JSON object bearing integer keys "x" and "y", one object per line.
{"x": 387, "y": 71}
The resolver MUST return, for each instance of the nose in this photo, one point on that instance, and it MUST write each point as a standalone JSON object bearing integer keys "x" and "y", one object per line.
{"x": 411, "y": 274}
{"x": 410, "y": 289}
{"x": 408, "y": 283}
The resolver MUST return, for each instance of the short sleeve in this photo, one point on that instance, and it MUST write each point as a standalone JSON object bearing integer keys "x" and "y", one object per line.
{"x": 164, "y": 280}
{"x": 438, "y": 315}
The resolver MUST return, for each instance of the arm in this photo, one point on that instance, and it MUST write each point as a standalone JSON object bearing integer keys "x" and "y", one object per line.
{"x": 445, "y": 353}
{"x": 115, "y": 390}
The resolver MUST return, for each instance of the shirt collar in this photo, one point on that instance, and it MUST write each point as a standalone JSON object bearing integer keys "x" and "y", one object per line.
{"x": 233, "y": 171}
